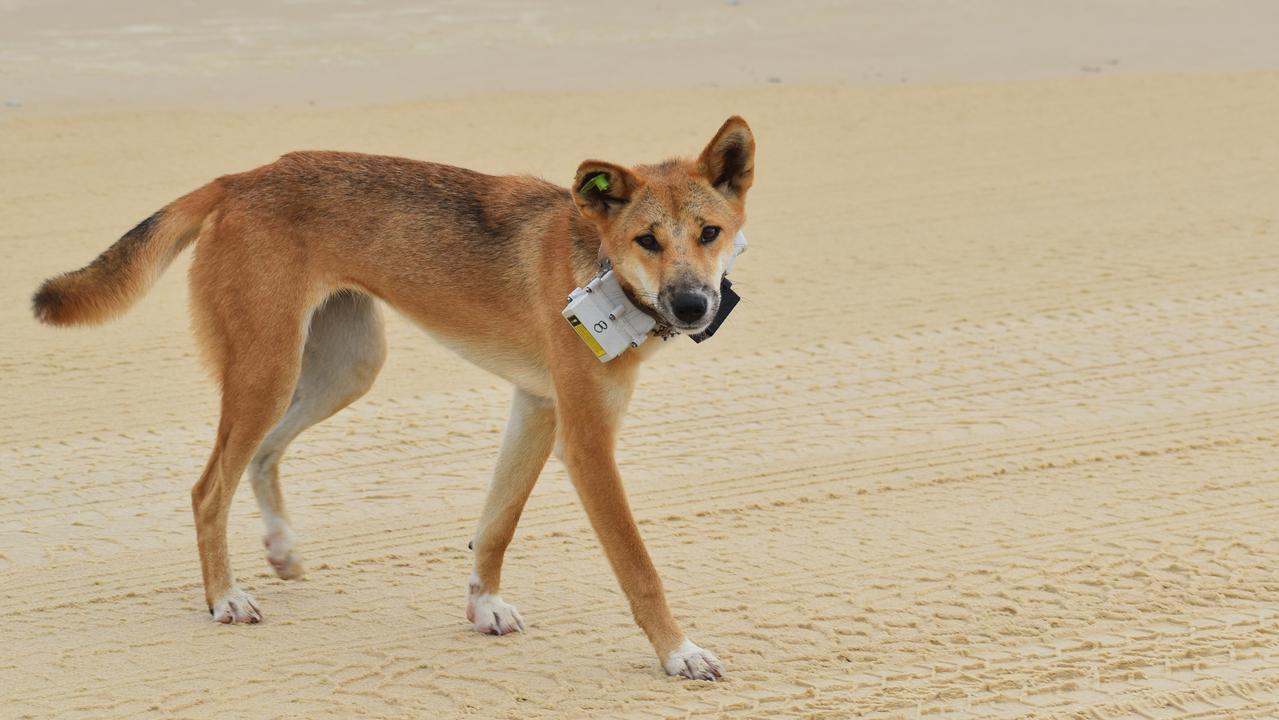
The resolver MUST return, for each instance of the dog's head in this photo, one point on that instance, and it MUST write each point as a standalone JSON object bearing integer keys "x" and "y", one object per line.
{"x": 668, "y": 228}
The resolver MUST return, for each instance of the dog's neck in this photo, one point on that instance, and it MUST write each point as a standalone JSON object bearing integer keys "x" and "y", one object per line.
{"x": 585, "y": 243}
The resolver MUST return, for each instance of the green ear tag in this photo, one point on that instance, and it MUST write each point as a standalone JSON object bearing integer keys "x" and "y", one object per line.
{"x": 599, "y": 182}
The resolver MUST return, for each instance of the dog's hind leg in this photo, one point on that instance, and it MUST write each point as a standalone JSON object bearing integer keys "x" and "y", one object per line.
{"x": 530, "y": 433}
{"x": 345, "y": 349}
{"x": 250, "y": 318}
{"x": 259, "y": 363}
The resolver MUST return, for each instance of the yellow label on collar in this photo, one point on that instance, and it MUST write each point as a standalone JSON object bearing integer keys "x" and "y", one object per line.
{"x": 586, "y": 336}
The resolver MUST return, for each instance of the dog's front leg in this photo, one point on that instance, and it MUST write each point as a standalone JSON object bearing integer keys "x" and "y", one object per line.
{"x": 589, "y": 415}
{"x": 530, "y": 433}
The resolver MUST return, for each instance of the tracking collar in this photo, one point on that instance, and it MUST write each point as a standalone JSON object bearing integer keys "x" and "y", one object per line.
{"x": 609, "y": 323}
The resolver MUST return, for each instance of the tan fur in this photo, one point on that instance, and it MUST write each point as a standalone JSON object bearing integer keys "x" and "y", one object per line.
{"x": 118, "y": 277}
{"x": 288, "y": 255}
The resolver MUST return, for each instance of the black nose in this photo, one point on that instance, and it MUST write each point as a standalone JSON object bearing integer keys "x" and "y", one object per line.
{"x": 689, "y": 307}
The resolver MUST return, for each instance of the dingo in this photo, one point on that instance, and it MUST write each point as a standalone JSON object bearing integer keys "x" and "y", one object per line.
{"x": 291, "y": 256}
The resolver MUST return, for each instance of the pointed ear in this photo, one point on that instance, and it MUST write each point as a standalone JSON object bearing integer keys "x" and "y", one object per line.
{"x": 601, "y": 188}
{"x": 728, "y": 162}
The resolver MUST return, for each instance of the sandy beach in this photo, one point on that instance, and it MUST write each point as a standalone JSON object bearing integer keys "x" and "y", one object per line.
{"x": 1003, "y": 386}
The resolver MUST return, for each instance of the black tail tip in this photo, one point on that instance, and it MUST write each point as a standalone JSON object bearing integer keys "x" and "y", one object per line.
{"x": 48, "y": 304}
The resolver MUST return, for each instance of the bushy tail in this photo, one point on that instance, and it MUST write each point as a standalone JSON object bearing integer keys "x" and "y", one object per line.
{"x": 123, "y": 273}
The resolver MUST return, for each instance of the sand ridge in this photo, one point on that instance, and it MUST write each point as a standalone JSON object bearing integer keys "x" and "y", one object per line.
{"x": 1020, "y": 464}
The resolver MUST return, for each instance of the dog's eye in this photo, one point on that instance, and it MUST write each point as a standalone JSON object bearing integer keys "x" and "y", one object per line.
{"x": 648, "y": 242}
{"x": 709, "y": 233}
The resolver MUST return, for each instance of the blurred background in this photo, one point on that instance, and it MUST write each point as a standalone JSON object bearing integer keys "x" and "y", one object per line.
{"x": 294, "y": 53}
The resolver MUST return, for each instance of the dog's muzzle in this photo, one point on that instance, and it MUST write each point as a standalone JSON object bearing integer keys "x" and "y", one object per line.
{"x": 606, "y": 319}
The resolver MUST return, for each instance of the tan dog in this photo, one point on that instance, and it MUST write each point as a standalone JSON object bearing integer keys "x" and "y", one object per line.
{"x": 291, "y": 256}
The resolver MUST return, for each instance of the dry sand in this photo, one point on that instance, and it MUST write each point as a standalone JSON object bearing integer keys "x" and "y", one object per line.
{"x": 1002, "y": 398}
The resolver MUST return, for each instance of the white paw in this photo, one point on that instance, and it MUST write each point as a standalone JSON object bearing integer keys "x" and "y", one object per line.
{"x": 280, "y": 553}
{"x": 489, "y": 613}
{"x": 235, "y": 606}
{"x": 694, "y": 663}
{"x": 493, "y": 616}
